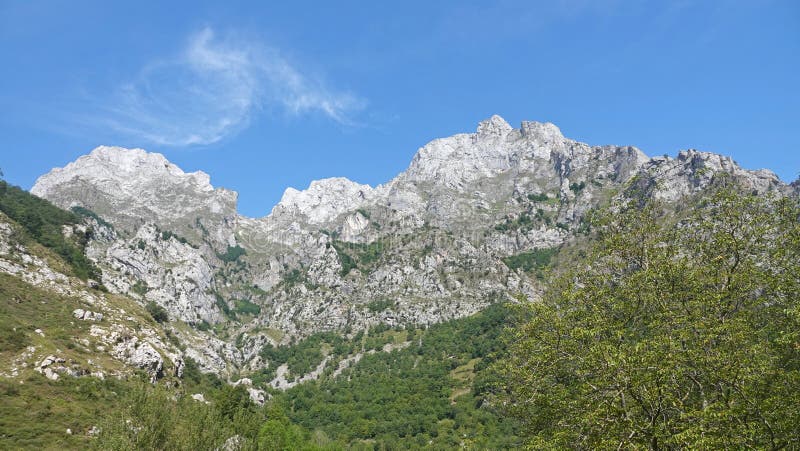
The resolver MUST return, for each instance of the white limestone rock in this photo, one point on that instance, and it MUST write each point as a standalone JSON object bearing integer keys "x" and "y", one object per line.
{"x": 324, "y": 199}
{"x": 131, "y": 186}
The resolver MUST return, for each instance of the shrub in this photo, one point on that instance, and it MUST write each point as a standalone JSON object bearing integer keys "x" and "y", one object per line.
{"x": 157, "y": 312}
{"x": 537, "y": 197}
{"x": 245, "y": 307}
{"x": 528, "y": 261}
{"x": 232, "y": 254}
{"x": 577, "y": 187}
{"x": 379, "y": 306}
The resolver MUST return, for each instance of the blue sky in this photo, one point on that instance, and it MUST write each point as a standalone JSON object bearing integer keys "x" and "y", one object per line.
{"x": 266, "y": 95}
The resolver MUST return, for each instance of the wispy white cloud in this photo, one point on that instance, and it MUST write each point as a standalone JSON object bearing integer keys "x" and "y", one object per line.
{"x": 213, "y": 89}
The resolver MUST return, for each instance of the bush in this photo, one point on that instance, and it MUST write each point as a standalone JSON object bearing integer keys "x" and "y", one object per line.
{"x": 529, "y": 261}
{"x": 379, "y": 306}
{"x": 351, "y": 255}
{"x": 537, "y": 197}
{"x": 157, "y": 312}
{"x": 577, "y": 187}
{"x": 140, "y": 287}
{"x": 85, "y": 212}
{"x": 232, "y": 254}
{"x": 245, "y": 307}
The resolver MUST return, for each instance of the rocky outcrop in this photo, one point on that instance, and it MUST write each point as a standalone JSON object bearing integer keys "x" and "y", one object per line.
{"x": 670, "y": 179}
{"x": 50, "y": 367}
{"x": 324, "y": 200}
{"x": 87, "y": 315}
{"x": 156, "y": 267}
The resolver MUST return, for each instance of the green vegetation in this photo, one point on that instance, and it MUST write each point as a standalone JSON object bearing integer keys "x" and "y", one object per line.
{"x": 526, "y": 220}
{"x": 86, "y": 213}
{"x": 245, "y": 307}
{"x": 542, "y": 197}
{"x": 158, "y": 312}
{"x": 522, "y": 222}
{"x": 43, "y": 223}
{"x": 577, "y": 187}
{"x": 413, "y": 397}
{"x": 140, "y": 287}
{"x": 358, "y": 255}
{"x": 232, "y": 254}
{"x": 536, "y": 259}
{"x": 293, "y": 277}
{"x": 36, "y": 414}
{"x": 363, "y": 212}
{"x": 677, "y": 333}
{"x": 219, "y": 301}
{"x": 303, "y": 356}
{"x": 166, "y": 235}
{"x": 379, "y": 305}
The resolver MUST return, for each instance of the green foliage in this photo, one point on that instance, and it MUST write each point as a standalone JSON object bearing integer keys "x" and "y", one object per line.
{"x": 25, "y": 308}
{"x": 410, "y": 398}
{"x": 166, "y": 235}
{"x": 140, "y": 287}
{"x": 37, "y": 413}
{"x": 676, "y": 334}
{"x": 522, "y": 222}
{"x": 302, "y": 357}
{"x": 223, "y": 306}
{"x": 245, "y": 307}
{"x": 195, "y": 381}
{"x": 293, "y": 277}
{"x": 86, "y": 213}
{"x": 542, "y": 197}
{"x": 530, "y": 261}
{"x": 363, "y": 212}
{"x": 577, "y": 187}
{"x": 43, "y": 223}
{"x": 355, "y": 255}
{"x": 12, "y": 339}
{"x": 152, "y": 418}
{"x": 232, "y": 254}
{"x": 379, "y": 305}
{"x": 158, "y": 312}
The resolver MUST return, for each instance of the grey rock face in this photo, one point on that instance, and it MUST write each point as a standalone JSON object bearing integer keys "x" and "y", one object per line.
{"x": 173, "y": 274}
{"x": 671, "y": 179}
{"x": 130, "y": 187}
{"x": 424, "y": 247}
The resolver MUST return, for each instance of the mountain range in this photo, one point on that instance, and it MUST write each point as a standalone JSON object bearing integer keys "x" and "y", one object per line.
{"x": 474, "y": 220}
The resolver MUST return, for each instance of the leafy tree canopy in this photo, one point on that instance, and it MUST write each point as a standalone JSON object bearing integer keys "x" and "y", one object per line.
{"x": 679, "y": 332}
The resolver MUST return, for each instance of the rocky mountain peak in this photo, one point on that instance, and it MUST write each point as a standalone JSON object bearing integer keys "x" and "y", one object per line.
{"x": 692, "y": 170}
{"x": 543, "y": 131}
{"x": 324, "y": 199}
{"x": 116, "y": 164}
{"x": 129, "y": 186}
{"x": 495, "y": 125}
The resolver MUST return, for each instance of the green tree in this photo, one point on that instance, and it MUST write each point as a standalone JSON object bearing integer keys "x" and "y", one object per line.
{"x": 680, "y": 332}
